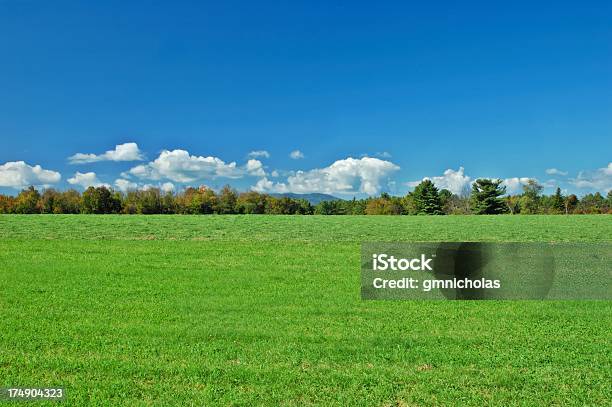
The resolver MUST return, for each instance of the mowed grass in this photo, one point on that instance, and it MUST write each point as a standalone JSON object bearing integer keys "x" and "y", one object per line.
{"x": 354, "y": 229}
{"x": 265, "y": 310}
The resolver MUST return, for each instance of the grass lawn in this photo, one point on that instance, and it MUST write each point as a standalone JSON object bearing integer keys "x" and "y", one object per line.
{"x": 246, "y": 310}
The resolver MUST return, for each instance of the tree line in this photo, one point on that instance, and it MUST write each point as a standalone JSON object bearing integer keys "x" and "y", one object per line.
{"x": 488, "y": 197}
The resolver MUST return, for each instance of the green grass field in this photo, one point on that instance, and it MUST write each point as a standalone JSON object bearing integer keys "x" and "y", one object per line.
{"x": 251, "y": 310}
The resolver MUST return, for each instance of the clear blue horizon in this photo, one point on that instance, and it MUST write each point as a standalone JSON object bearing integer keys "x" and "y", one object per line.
{"x": 345, "y": 98}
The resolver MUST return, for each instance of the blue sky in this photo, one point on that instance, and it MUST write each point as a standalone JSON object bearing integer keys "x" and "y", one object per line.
{"x": 375, "y": 96}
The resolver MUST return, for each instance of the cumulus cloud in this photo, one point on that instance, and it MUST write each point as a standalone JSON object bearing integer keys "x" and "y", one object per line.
{"x": 167, "y": 187}
{"x": 515, "y": 184}
{"x": 18, "y": 174}
{"x": 259, "y": 154}
{"x": 555, "y": 171}
{"x": 255, "y": 168}
{"x": 349, "y": 176}
{"x": 460, "y": 184}
{"x": 379, "y": 154}
{"x": 88, "y": 179}
{"x": 265, "y": 185}
{"x": 180, "y": 166}
{"x": 125, "y": 185}
{"x": 163, "y": 187}
{"x": 296, "y": 154}
{"x": 122, "y": 152}
{"x": 455, "y": 181}
{"x": 598, "y": 180}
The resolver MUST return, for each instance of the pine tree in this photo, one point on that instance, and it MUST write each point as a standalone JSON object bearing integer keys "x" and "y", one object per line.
{"x": 427, "y": 199}
{"x": 486, "y": 197}
{"x": 558, "y": 201}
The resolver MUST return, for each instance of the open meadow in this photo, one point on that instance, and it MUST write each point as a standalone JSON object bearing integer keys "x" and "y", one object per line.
{"x": 266, "y": 310}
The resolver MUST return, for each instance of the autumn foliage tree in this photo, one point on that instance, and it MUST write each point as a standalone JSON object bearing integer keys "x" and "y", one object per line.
{"x": 28, "y": 202}
{"x": 425, "y": 199}
{"x": 385, "y": 205}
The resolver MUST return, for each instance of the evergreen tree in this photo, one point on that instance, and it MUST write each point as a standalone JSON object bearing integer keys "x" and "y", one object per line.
{"x": 486, "y": 197}
{"x": 445, "y": 196}
{"x": 446, "y": 199}
{"x": 427, "y": 199}
{"x": 558, "y": 201}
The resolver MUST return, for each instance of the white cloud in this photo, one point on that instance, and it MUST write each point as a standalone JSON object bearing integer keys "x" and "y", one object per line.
{"x": 349, "y": 176}
{"x": 379, "y": 154}
{"x": 18, "y": 174}
{"x": 167, "y": 187}
{"x": 164, "y": 188}
{"x": 554, "y": 171}
{"x": 259, "y": 154}
{"x": 86, "y": 180}
{"x": 515, "y": 185}
{"x": 551, "y": 183}
{"x": 598, "y": 180}
{"x": 275, "y": 173}
{"x": 296, "y": 154}
{"x": 255, "y": 168}
{"x": 125, "y": 185}
{"x": 180, "y": 166}
{"x": 459, "y": 183}
{"x": 265, "y": 185}
{"x": 122, "y": 152}
{"x": 455, "y": 181}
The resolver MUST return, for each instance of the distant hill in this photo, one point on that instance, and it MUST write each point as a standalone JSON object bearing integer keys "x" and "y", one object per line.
{"x": 312, "y": 198}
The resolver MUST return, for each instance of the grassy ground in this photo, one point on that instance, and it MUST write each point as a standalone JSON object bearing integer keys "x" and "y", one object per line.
{"x": 181, "y": 310}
